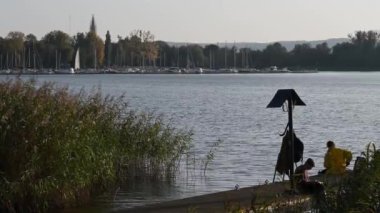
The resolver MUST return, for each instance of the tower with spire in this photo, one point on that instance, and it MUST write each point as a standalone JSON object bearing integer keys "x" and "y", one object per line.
{"x": 93, "y": 26}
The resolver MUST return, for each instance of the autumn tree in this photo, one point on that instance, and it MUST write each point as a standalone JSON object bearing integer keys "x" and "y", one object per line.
{"x": 95, "y": 49}
{"x": 143, "y": 42}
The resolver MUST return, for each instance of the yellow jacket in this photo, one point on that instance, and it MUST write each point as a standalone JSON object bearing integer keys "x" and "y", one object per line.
{"x": 336, "y": 159}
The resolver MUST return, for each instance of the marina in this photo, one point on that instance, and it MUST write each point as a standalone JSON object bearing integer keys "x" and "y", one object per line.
{"x": 148, "y": 70}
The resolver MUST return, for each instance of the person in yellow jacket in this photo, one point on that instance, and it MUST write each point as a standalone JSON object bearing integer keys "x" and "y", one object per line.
{"x": 336, "y": 159}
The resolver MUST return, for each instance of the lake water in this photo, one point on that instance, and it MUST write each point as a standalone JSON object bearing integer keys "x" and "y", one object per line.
{"x": 343, "y": 107}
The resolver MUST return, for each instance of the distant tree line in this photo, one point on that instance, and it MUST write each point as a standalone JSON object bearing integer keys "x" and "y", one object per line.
{"x": 58, "y": 49}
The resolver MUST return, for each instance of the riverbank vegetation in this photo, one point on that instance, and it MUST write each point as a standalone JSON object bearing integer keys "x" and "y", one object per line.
{"x": 59, "y": 148}
{"x": 359, "y": 192}
{"x": 355, "y": 192}
{"x": 57, "y": 49}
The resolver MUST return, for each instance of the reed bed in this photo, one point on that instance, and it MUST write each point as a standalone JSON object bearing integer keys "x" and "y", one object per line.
{"x": 59, "y": 148}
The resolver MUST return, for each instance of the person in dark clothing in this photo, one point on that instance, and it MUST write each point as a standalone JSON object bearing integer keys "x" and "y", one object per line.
{"x": 303, "y": 183}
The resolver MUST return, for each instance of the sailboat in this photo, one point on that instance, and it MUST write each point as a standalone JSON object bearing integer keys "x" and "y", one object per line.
{"x": 225, "y": 69}
{"x": 59, "y": 70}
{"x": 77, "y": 60}
{"x": 191, "y": 69}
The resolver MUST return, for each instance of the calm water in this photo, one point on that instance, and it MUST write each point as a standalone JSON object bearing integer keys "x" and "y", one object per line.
{"x": 343, "y": 107}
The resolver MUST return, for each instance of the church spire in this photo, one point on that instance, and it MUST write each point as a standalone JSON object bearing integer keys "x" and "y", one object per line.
{"x": 93, "y": 26}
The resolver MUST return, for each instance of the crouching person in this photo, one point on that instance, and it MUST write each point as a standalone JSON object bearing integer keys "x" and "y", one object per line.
{"x": 303, "y": 184}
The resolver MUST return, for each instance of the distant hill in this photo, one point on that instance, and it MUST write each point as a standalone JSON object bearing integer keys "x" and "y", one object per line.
{"x": 289, "y": 45}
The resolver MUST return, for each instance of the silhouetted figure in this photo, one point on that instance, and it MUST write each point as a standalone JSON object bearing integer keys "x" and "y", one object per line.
{"x": 303, "y": 183}
{"x": 305, "y": 186}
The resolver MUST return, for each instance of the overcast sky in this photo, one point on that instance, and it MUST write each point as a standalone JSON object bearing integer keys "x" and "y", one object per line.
{"x": 195, "y": 20}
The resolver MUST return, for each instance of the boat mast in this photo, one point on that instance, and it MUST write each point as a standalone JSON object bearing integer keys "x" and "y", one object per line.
{"x": 225, "y": 55}
{"x": 59, "y": 60}
{"x": 95, "y": 58}
{"x": 132, "y": 59}
{"x": 143, "y": 61}
{"x": 34, "y": 57}
{"x": 56, "y": 60}
{"x": 234, "y": 56}
{"x": 34, "y": 61}
{"x": 210, "y": 56}
{"x": 178, "y": 57}
{"x": 164, "y": 59}
{"x": 13, "y": 58}
{"x": 7, "y": 62}
{"x": 23, "y": 58}
{"x": 242, "y": 57}
{"x": 187, "y": 57}
{"x": 160, "y": 57}
{"x": 29, "y": 57}
{"x": 247, "y": 61}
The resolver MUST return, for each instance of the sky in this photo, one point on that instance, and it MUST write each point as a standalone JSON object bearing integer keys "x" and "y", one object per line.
{"x": 198, "y": 21}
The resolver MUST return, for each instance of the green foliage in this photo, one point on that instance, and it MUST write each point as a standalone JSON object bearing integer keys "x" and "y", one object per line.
{"x": 57, "y": 149}
{"x": 140, "y": 49}
{"x": 137, "y": 49}
{"x": 15, "y": 41}
{"x": 56, "y": 49}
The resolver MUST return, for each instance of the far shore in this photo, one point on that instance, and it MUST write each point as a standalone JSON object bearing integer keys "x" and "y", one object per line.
{"x": 177, "y": 71}
{"x": 151, "y": 71}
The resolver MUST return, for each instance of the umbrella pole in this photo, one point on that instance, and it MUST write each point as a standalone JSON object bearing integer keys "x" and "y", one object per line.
{"x": 290, "y": 114}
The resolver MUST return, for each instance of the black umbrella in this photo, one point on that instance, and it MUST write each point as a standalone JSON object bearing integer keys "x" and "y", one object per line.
{"x": 293, "y": 99}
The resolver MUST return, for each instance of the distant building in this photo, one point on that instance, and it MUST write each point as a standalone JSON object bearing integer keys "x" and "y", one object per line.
{"x": 93, "y": 26}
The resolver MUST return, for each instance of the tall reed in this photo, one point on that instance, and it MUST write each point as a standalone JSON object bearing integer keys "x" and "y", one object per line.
{"x": 59, "y": 148}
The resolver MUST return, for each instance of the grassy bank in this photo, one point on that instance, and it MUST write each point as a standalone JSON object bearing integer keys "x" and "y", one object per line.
{"x": 359, "y": 192}
{"x": 58, "y": 149}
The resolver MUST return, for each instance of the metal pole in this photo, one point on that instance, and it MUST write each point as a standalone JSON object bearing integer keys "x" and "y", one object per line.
{"x": 290, "y": 114}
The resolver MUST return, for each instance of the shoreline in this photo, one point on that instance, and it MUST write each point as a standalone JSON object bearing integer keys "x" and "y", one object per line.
{"x": 155, "y": 73}
{"x": 267, "y": 196}
{"x": 261, "y": 196}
